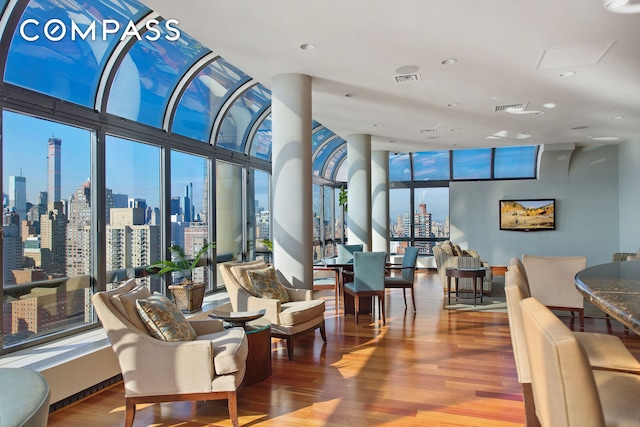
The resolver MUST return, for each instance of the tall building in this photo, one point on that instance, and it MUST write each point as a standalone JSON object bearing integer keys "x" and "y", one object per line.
{"x": 79, "y": 231}
{"x": 54, "y": 172}
{"x": 131, "y": 243}
{"x": 53, "y": 239}
{"x": 12, "y": 246}
{"x": 18, "y": 195}
{"x": 187, "y": 203}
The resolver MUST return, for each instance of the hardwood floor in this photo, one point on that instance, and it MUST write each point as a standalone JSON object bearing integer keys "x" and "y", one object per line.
{"x": 432, "y": 368}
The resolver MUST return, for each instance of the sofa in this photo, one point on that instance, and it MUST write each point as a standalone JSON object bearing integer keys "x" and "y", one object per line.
{"x": 448, "y": 254}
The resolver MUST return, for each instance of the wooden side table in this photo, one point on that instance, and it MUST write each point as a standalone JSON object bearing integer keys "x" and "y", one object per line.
{"x": 259, "y": 357}
{"x": 476, "y": 274}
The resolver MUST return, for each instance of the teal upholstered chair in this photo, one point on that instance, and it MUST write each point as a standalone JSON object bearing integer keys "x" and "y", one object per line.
{"x": 407, "y": 274}
{"x": 368, "y": 279}
{"x": 345, "y": 252}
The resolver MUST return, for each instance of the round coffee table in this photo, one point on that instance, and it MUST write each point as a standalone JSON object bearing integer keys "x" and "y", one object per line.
{"x": 476, "y": 274}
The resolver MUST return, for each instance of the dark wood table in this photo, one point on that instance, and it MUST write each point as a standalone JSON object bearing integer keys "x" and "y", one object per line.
{"x": 477, "y": 274}
{"x": 615, "y": 289}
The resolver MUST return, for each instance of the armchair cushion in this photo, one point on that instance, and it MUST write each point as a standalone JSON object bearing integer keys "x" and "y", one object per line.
{"x": 266, "y": 284}
{"x": 295, "y": 312}
{"x": 240, "y": 272}
{"x": 125, "y": 303}
{"x": 163, "y": 319}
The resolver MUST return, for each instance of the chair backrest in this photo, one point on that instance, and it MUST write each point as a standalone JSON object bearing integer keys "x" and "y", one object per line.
{"x": 552, "y": 279}
{"x": 345, "y": 252}
{"x": 369, "y": 271}
{"x": 515, "y": 291}
{"x": 564, "y": 388}
{"x": 409, "y": 262}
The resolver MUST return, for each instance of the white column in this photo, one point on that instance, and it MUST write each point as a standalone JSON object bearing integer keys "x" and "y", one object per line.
{"x": 380, "y": 201}
{"x": 359, "y": 190}
{"x": 292, "y": 209}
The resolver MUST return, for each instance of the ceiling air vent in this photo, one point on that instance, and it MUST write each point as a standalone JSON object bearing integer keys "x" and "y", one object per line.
{"x": 429, "y": 131}
{"x": 407, "y": 78}
{"x": 510, "y": 108}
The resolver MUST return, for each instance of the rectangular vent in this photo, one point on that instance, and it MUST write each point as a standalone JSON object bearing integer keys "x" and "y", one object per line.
{"x": 511, "y": 107}
{"x": 407, "y": 78}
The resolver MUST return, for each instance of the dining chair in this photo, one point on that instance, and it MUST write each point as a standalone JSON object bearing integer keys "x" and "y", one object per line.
{"x": 345, "y": 252}
{"x": 566, "y": 390}
{"x": 407, "y": 274}
{"x": 368, "y": 279}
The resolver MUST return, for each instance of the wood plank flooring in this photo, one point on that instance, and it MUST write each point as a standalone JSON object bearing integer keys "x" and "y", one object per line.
{"x": 431, "y": 368}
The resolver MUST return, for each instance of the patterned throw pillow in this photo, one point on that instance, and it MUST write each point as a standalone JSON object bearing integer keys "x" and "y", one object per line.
{"x": 266, "y": 284}
{"x": 163, "y": 319}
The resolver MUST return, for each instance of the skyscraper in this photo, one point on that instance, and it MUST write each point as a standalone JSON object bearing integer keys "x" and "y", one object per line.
{"x": 79, "y": 231}
{"x": 53, "y": 170}
{"x": 18, "y": 195}
{"x": 187, "y": 208}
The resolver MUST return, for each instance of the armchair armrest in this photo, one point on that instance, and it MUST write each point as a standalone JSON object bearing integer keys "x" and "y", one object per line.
{"x": 206, "y": 326}
{"x": 271, "y": 307}
{"x": 299, "y": 294}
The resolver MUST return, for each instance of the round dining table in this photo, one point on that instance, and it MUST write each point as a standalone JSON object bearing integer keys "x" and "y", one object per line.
{"x": 615, "y": 289}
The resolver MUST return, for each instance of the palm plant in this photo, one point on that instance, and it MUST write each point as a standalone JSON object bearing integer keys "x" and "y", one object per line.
{"x": 180, "y": 263}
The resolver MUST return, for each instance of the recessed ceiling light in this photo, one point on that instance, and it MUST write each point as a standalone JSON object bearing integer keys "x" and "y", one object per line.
{"x": 455, "y": 129}
{"x": 549, "y": 105}
{"x": 449, "y": 61}
{"x": 392, "y": 141}
{"x": 307, "y": 46}
{"x": 452, "y": 105}
{"x": 407, "y": 69}
{"x": 612, "y": 4}
{"x": 349, "y": 95}
{"x": 377, "y": 125}
{"x": 617, "y": 118}
{"x": 606, "y": 138}
{"x": 568, "y": 74}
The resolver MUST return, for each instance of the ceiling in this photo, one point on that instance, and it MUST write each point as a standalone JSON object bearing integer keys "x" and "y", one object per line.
{"x": 506, "y": 88}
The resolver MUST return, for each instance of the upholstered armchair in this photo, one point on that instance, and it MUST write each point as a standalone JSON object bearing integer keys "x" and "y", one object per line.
{"x": 301, "y": 314}
{"x": 210, "y": 366}
{"x": 450, "y": 255}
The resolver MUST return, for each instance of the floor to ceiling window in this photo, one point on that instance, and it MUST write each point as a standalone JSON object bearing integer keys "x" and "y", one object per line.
{"x": 133, "y": 235}
{"x": 47, "y": 270}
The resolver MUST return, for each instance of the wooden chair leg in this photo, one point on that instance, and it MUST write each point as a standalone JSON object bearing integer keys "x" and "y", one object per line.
{"x": 356, "y": 303}
{"x": 130, "y": 412}
{"x": 413, "y": 299}
{"x": 233, "y": 408}
{"x": 323, "y": 332}
{"x": 531, "y": 419}
{"x": 384, "y": 321}
{"x": 581, "y": 313}
{"x": 289, "y": 341}
{"x": 404, "y": 294}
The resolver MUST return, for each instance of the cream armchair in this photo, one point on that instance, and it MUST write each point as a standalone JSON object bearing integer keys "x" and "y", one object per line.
{"x": 450, "y": 255}
{"x": 210, "y": 367}
{"x": 301, "y": 315}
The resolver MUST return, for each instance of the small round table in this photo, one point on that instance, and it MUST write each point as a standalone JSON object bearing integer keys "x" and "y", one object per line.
{"x": 476, "y": 274}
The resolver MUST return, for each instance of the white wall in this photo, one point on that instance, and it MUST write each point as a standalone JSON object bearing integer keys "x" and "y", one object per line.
{"x": 584, "y": 183}
{"x": 629, "y": 176}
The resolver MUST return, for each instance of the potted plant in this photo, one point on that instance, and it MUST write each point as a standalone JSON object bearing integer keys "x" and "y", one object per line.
{"x": 188, "y": 295}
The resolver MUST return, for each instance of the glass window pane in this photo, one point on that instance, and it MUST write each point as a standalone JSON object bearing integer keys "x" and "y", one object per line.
{"x": 328, "y": 222}
{"x": 319, "y": 135}
{"x": 340, "y": 227}
{"x": 203, "y": 98}
{"x": 472, "y": 164}
{"x": 46, "y": 226}
{"x": 242, "y": 114}
{"x": 323, "y": 153}
{"x": 133, "y": 200}
{"x": 229, "y": 215}
{"x": 431, "y": 165}
{"x": 189, "y": 209}
{"x": 74, "y": 63}
{"x": 262, "y": 141}
{"x": 399, "y": 219}
{"x": 261, "y": 185}
{"x": 515, "y": 162}
{"x": 149, "y": 74}
{"x": 431, "y": 217}
{"x": 399, "y": 167}
{"x": 317, "y": 222}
